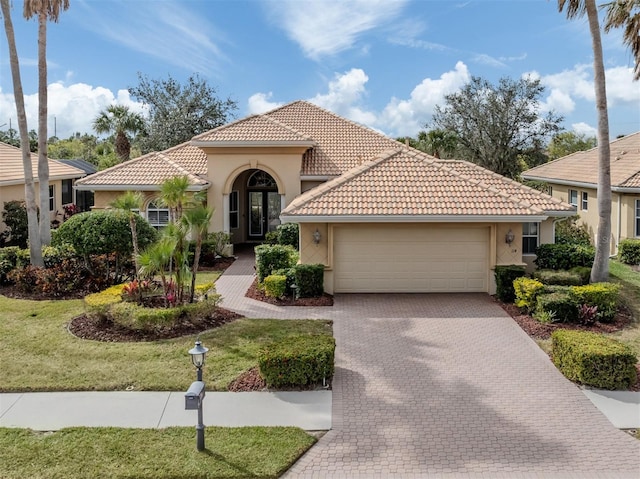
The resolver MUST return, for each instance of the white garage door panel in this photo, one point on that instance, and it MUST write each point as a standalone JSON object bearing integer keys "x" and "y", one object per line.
{"x": 410, "y": 258}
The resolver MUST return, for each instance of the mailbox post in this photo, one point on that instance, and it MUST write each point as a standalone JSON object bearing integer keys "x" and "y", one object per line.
{"x": 195, "y": 394}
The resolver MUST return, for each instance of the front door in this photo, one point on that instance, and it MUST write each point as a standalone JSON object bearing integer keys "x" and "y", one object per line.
{"x": 264, "y": 213}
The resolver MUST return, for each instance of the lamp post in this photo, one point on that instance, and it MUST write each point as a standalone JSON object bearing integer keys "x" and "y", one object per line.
{"x": 195, "y": 394}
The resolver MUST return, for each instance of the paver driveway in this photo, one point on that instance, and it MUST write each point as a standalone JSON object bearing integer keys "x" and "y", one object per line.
{"x": 446, "y": 386}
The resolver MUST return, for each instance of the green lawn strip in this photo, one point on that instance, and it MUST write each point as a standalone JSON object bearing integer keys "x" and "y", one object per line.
{"x": 150, "y": 453}
{"x": 39, "y": 354}
{"x": 630, "y": 294}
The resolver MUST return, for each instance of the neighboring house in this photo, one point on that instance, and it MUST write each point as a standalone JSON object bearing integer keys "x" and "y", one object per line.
{"x": 61, "y": 181}
{"x": 381, "y": 217}
{"x": 574, "y": 179}
{"x": 83, "y": 199}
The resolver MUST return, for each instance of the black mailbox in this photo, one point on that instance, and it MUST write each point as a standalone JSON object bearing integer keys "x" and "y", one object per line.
{"x": 194, "y": 396}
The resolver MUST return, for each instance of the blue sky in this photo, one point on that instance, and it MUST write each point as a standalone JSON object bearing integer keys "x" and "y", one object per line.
{"x": 383, "y": 63}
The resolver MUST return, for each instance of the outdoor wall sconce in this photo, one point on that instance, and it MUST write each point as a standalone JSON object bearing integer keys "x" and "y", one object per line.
{"x": 195, "y": 395}
{"x": 509, "y": 237}
{"x": 316, "y": 236}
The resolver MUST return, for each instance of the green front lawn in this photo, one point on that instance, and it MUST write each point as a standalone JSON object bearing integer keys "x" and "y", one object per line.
{"x": 76, "y": 453}
{"x": 630, "y": 294}
{"x": 39, "y": 354}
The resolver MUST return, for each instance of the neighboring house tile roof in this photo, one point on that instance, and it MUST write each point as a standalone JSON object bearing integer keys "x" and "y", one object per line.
{"x": 150, "y": 170}
{"x": 12, "y": 171}
{"x": 582, "y": 167}
{"x": 405, "y": 182}
{"x": 88, "y": 168}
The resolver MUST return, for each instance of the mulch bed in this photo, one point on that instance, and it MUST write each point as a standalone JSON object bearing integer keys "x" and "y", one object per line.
{"x": 255, "y": 293}
{"x": 537, "y": 330}
{"x": 97, "y": 330}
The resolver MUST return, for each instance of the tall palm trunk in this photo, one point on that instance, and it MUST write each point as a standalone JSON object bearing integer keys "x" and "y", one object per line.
{"x": 35, "y": 244}
{"x": 43, "y": 162}
{"x": 600, "y": 270}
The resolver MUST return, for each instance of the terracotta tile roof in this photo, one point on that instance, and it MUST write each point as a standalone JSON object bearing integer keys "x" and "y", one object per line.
{"x": 253, "y": 129}
{"x": 341, "y": 144}
{"x": 405, "y": 182}
{"x": 152, "y": 169}
{"x": 11, "y": 171}
{"x": 582, "y": 166}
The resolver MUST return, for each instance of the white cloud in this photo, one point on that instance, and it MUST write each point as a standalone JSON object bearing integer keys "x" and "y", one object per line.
{"x": 488, "y": 60}
{"x": 407, "y": 117}
{"x": 558, "y": 101}
{"x": 326, "y": 27}
{"x": 259, "y": 103}
{"x": 567, "y": 86}
{"x": 584, "y": 129}
{"x": 74, "y": 107}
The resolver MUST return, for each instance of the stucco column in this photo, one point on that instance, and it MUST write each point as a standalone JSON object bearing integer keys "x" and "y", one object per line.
{"x": 225, "y": 213}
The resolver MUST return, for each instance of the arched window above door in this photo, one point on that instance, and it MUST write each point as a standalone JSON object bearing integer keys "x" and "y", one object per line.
{"x": 261, "y": 179}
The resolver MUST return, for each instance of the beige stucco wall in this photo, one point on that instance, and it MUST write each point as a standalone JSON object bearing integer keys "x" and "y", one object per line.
{"x": 16, "y": 193}
{"x": 225, "y": 164}
{"x": 622, "y": 212}
{"x": 103, "y": 199}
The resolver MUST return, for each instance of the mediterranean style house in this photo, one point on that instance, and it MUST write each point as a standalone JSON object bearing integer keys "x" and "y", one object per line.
{"x": 61, "y": 181}
{"x": 574, "y": 179}
{"x": 381, "y": 217}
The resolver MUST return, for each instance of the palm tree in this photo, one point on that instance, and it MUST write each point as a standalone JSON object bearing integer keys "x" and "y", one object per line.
{"x": 118, "y": 119}
{"x": 45, "y": 10}
{"x": 130, "y": 202}
{"x": 35, "y": 243}
{"x": 626, "y": 13}
{"x": 173, "y": 194}
{"x": 155, "y": 260}
{"x": 577, "y": 8}
{"x": 437, "y": 142}
{"x": 197, "y": 220}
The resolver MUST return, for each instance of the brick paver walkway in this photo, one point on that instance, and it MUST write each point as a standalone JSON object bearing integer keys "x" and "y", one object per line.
{"x": 445, "y": 386}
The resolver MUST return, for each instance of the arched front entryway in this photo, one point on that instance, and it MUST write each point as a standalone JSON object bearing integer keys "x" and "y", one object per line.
{"x": 254, "y": 206}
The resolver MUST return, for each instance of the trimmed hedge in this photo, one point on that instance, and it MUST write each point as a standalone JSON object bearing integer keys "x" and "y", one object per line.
{"x": 527, "y": 291}
{"x": 593, "y": 359}
{"x": 298, "y": 361}
{"x": 602, "y": 295}
{"x": 309, "y": 280}
{"x": 275, "y": 285}
{"x": 270, "y": 258}
{"x": 562, "y": 278}
{"x": 504, "y": 275}
{"x": 629, "y": 251}
{"x": 289, "y": 234}
{"x": 564, "y": 256}
{"x": 559, "y": 305}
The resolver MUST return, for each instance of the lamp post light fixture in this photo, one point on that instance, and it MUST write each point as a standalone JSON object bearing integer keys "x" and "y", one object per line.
{"x": 195, "y": 395}
{"x": 198, "y": 354}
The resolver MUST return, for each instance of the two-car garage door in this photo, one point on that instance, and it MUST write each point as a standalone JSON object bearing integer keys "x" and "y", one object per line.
{"x": 410, "y": 258}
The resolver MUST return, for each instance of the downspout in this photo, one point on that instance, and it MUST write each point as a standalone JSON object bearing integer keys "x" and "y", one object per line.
{"x": 553, "y": 226}
{"x": 619, "y": 228}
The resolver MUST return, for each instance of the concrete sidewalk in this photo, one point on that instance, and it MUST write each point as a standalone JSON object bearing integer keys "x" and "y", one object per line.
{"x": 309, "y": 410}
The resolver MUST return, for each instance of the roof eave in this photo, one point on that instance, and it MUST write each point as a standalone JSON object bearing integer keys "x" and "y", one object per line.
{"x": 133, "y": 187}
{"x": 414, "y": 218}
{"x": 252, "y": 144}
{"x": 580, "y": 184}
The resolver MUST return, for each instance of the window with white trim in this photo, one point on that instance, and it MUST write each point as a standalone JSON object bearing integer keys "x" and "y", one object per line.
{"x": 573, "y": 197}
{"x": 530, "y": 237}
{"x": 67, "y": 192}
{"x": 234, "y": 218}
{"x": 585, "y": 201}
{"x": 157, "y": 215}
{"x": 638, "y": 218}
{"x": 52, "y": 197}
